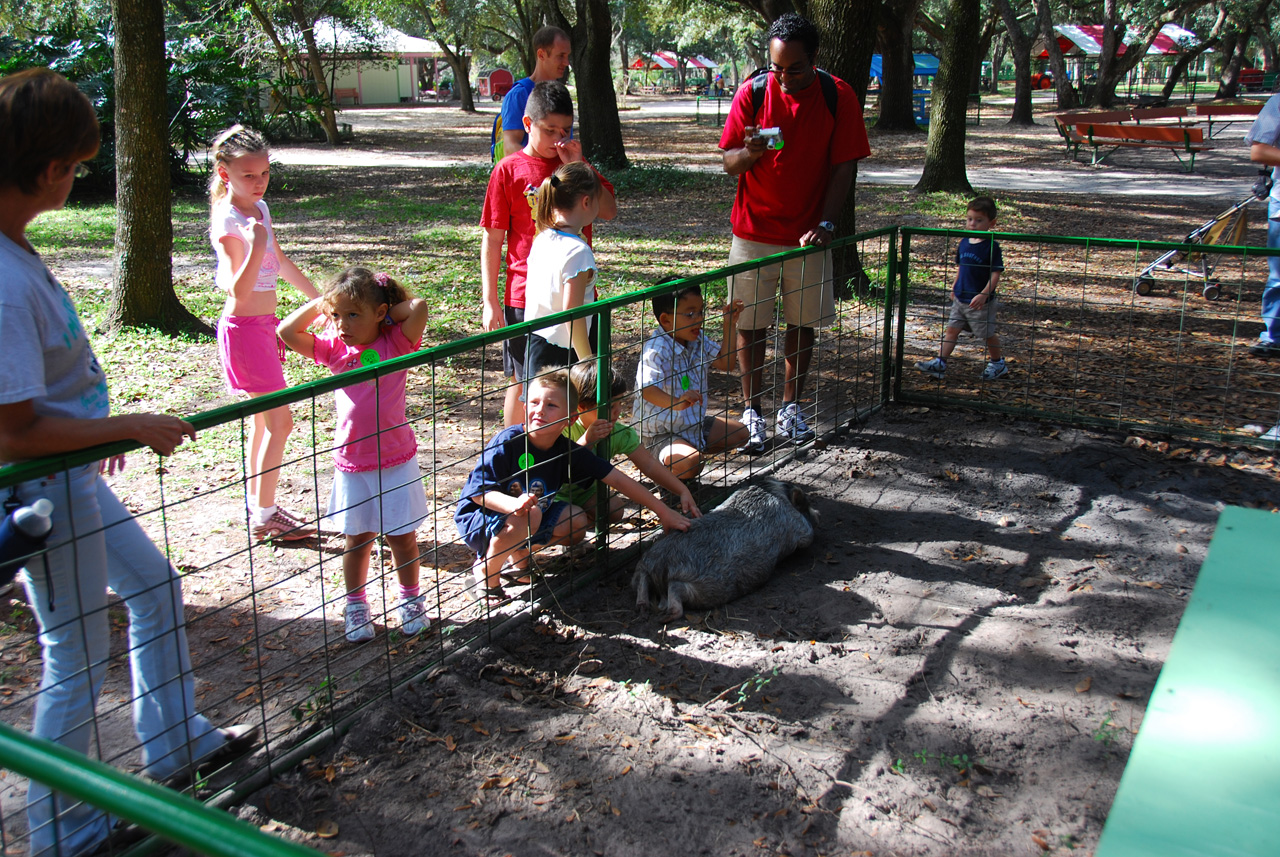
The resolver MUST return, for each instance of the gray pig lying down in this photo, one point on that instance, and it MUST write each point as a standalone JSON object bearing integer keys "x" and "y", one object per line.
{"x": 731, "y": 551}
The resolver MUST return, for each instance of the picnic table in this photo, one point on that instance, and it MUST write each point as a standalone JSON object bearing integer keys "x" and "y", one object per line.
{"x": 1204, "y": 772}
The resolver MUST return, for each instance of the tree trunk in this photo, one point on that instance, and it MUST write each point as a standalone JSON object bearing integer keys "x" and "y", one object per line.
{"x": 897, "y": 66}
{"x": 1020, "y": 42}
{"x": 142, "y": 277}
{"x": 597, "y": 116}
{"x": 1180, "y": 67}
{"x": 324, "y": 109}
{"x": 848, "y": 34}
{"x": 1229, "y": 82}
{"x": 944, "y": 167}
{"x": 1000, "y": 46}
{"x": 1057, "y": 65}
{"x": 462, "y": 80}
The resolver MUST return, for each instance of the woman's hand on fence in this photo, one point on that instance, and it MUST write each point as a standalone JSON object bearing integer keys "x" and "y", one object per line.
{"x": 162, "y": 433}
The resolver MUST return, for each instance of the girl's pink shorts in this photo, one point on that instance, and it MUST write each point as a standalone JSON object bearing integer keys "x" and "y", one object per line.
{"x": 252, "y": 355}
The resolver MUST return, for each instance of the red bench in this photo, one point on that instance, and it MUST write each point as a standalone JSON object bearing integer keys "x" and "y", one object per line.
{"x": 352, "y": 93}
{"x": 1226, "y": 114}
{"x": 1180, "y": 141}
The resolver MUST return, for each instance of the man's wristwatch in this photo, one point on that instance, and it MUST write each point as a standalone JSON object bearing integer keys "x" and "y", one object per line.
{"x": 827, "y": 225}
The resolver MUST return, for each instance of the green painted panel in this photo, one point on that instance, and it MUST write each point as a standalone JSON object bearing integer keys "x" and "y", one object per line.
{"x": 1204, "y": 775}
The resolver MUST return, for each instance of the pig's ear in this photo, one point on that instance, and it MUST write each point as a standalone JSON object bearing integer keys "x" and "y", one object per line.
{"x": 801, "y": 502}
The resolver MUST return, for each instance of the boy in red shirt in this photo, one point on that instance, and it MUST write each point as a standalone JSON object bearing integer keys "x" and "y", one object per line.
{"x": 508, "y": 216}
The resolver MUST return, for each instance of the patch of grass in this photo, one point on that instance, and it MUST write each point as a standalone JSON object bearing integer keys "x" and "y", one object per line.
{"x": 76, "y": 228}
{"x": 650, "y": 180}
{"x": 1107, "y": 732}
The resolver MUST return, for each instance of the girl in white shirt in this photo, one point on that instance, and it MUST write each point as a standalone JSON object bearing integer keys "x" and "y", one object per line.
{"x": 561, "y": 268}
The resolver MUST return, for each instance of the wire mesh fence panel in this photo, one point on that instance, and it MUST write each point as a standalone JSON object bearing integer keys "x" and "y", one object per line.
{"x": 263, "y": 618}
{"x": 1092, "y": 335}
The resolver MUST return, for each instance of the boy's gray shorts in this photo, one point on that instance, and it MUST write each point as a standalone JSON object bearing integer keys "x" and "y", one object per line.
{"x": 981, "y": 323}
{"x": 658, "y": 442}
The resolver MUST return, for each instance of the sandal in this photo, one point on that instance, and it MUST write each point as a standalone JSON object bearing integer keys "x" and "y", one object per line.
{"x": 481, "y": 593}
{"x": 281, "y": 527}
{"x": 520, "y": 576}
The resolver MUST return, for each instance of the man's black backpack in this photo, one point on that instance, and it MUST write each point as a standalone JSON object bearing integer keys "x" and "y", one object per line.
{"x": 760, "y": 79}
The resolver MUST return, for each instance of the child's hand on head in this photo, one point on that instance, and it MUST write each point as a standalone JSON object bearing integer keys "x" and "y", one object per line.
{"x": 569, "y": 151}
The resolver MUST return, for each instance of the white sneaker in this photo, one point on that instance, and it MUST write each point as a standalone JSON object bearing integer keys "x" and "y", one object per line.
{"x": 358, "y": 620}
{"x": 1272, "y": 435}
{"x": 756, "y": 429}
{"x": 413, "y": 615}
{"x": 995, "y": 369}
{"x": 791, "y": 424}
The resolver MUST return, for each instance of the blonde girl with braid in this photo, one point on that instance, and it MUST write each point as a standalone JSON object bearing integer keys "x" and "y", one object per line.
{"x": 250, "y": 262}
{"x": 561, "y": 271}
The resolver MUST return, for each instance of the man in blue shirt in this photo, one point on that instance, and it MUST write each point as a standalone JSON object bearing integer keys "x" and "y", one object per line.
{"x": 1264, "y": 148}
{"x": 552, "y": 48}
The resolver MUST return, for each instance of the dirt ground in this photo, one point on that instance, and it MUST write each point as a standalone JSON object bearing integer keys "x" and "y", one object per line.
{"x": 957, "y": 667}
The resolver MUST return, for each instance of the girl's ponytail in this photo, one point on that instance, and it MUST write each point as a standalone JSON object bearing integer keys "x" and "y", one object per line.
{"x": 562, "y": 190}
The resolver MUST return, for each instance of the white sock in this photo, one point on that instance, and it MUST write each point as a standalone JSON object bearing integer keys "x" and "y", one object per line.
{"x": 260, "y": 514}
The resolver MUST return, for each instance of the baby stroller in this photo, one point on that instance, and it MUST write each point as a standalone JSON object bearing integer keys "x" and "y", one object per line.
{"x": 1227, "y": 228}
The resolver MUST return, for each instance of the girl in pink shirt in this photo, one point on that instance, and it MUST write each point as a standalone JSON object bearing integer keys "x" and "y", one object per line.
{"x": 377, "y": 487}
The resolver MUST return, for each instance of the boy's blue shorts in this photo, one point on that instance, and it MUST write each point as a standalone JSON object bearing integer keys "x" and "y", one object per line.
{"x": 479, "y": 528}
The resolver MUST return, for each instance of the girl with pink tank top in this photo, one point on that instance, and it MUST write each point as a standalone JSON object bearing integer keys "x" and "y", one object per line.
{"x": 249, "y": 263}
{"x": 377, "y": 486}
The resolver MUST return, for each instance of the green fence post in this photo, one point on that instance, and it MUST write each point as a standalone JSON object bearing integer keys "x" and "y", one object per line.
{"x": 604, "y": 358}
{"x": 170, "y": 814}
{"x": 904, "y": 278}
{"x": 890, "y": 293}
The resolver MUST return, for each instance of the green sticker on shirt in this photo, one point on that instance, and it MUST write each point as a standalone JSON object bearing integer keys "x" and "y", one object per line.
{"x": 369, "y": 357}
{"x": 526, "y": 461}
{"x": 684, "y": 383}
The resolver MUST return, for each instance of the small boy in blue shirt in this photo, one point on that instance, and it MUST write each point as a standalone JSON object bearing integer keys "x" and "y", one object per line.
{"x": 973, "y": 308}
{"x": 509, "y": 501}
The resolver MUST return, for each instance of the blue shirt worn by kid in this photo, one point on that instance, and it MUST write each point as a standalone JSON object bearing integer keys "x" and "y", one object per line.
{"x": 503, "y": 466}
{"x": 975, "y": 262}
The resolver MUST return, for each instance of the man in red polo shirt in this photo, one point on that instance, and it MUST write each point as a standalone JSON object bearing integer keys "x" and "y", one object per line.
{"x": 791, "y": 188}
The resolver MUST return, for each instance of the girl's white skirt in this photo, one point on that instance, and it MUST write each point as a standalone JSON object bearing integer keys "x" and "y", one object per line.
{"x": 390, "y": 501}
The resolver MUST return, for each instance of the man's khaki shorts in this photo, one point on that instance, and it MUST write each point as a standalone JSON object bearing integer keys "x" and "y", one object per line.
{"x": 808, "y": 294}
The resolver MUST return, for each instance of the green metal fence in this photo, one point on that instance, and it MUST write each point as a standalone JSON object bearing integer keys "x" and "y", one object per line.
{"x": 264, "y": 619}
{"x": 1085, "y": 346}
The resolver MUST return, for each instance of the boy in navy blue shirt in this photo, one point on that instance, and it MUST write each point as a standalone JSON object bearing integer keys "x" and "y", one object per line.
{"x": 973, "y": 308}
{"x": 509, "y": 505}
